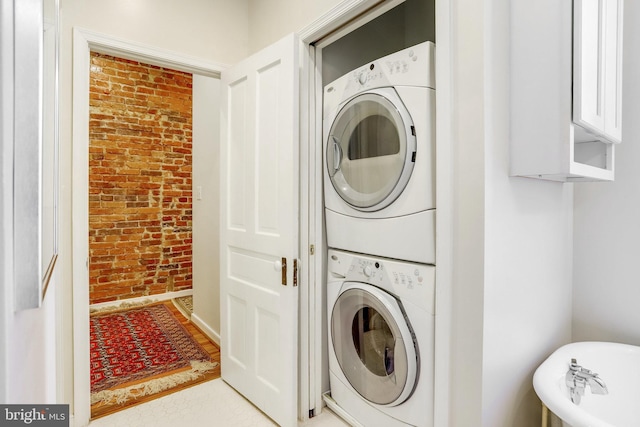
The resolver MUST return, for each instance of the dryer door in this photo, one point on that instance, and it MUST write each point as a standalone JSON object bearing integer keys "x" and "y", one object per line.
{"x": 371, "y": 149}
{"x": 374, "y": 344}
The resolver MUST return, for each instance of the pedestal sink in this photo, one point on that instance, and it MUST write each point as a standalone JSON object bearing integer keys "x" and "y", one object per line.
{"x": 617, "y": 366}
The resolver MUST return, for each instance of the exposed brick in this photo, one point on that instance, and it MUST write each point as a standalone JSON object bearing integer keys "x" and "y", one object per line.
{"x": 140, "y": 201}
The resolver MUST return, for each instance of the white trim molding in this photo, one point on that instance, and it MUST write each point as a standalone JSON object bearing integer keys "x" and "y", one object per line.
{"x": 445, "y": 135}
{"x": 205, "y": 328}
{"x": 80, "y": 229}
{"x": 98, "y": 42}
{"x": 334, "y": 18}
{"x": 140, "y": 300}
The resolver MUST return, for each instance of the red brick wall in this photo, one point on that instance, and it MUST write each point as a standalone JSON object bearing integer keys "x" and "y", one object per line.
{"x": 140, "y": 213}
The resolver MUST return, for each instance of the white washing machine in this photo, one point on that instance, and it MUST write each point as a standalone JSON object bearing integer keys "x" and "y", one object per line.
{"x": 381, "y": 339}
{"x": 379, "y": 145}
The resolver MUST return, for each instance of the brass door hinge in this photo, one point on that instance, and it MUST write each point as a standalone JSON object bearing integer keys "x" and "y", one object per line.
{"x": 295, "y": 272}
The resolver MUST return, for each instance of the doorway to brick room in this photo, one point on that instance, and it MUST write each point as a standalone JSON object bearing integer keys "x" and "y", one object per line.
{"x": 141, "y": 234}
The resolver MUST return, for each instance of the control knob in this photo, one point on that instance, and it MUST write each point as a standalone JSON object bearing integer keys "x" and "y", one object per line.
{"x": 367, "y": 270}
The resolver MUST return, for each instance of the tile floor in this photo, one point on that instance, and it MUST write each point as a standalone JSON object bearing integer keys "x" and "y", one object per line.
{"x": 212, "y": 403}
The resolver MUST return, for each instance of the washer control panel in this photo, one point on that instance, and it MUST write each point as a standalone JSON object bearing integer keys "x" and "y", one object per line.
{"x": 411, "y": 282}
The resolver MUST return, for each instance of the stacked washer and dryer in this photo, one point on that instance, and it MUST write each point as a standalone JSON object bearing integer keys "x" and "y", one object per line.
{"x": 379, "y": 188}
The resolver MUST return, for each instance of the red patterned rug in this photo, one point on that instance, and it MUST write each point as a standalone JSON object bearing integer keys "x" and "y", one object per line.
{"x": 139, "y": 343}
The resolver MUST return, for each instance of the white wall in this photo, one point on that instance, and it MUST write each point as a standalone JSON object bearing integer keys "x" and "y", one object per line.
{"x": 6, "y": 189}
{"x": 528, "y": 254}
{"x": 31, "y": 363}
{"x": 213, "y": 30}
{"x": 269, "y": 21}
{"x": 606, "y": 296}
{"x": 512, "y": 254}
{"x": 210, "y": 29}
{"x": 206, "y": 209}
{"x": 27, "y": 338}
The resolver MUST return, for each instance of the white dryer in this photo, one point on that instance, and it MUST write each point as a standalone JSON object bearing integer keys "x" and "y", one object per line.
{"x": 381, "y": 339}
{"x": 379, "y": 144}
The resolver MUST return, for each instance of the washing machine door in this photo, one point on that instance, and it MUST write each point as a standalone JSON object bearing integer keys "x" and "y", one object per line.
{"x": 371, "y": 149}
{"x": 374, "y": 344}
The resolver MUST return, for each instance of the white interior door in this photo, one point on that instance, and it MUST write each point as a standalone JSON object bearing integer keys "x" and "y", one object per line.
{"x": 259, "y": 229}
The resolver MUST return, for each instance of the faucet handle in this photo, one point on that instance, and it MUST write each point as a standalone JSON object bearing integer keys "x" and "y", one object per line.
{"x": 570, "y": 376}
{"x": 574, "y": 365}
{"x": 575, "y": 368}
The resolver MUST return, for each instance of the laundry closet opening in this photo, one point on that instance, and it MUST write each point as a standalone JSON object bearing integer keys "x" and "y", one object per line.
{"x": 379, "y": 185}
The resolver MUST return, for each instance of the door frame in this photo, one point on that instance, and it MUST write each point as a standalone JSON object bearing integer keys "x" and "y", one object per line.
{"x": 335, "y": 23}
{"x": 84, "y": 42}
{"x": 338, "y": 21}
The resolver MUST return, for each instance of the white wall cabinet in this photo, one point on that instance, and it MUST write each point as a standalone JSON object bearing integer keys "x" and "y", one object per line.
{"x": 597, "y": 67}
{"x": 566, "y": 89}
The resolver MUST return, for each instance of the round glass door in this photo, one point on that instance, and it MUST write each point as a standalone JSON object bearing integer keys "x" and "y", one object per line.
{"x": 375, "y": 352}
{"x": 371, "y": 149}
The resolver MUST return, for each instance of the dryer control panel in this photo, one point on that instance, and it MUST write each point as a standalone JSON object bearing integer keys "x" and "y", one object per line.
{"x": 413, "y": 66}
{"x": 411, "y": 282}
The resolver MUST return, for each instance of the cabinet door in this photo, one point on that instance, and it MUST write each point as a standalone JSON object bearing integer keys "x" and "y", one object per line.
{"x": 613, "y": 70}
{"x": 597, "y": 67}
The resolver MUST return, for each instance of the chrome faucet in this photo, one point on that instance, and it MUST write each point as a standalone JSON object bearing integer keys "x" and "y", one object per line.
{"x": 577, "y": 379}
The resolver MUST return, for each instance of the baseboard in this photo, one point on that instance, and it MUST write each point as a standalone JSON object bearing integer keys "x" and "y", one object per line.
{"x": 153, "y": 298}
{"x": 206, "y": 329}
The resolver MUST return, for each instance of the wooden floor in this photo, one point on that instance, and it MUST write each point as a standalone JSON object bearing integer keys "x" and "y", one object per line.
{"x": 102, "y": 409}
